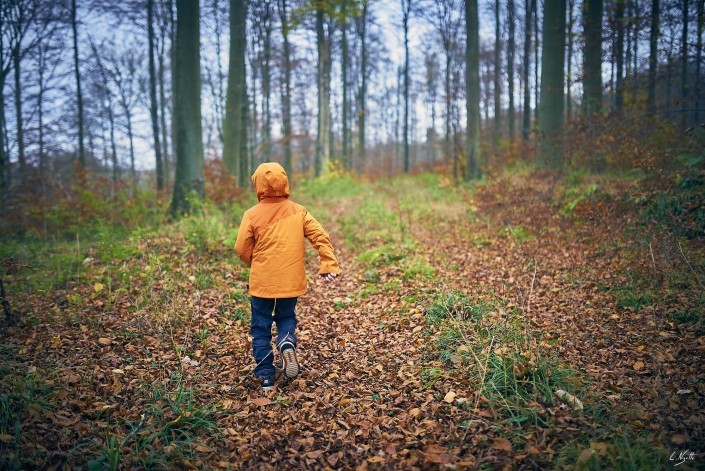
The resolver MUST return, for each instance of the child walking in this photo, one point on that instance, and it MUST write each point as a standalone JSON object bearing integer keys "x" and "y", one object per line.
{"x": 271, "y": 242}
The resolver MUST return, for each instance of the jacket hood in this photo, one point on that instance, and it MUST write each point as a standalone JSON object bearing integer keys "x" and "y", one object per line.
{"x": 270, "y": 181}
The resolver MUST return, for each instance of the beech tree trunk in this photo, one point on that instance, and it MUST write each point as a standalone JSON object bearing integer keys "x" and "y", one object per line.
{"x": 472, "y": 89}
{"x": 323, "y": 131}
{"x": 653, "y": 56}
{"x": 235, "y": 124}
{"x": 619, "y": 56}
{"x": 510, "y": 68}
{"x": 79, "y": 95}
{"x": 497, "y": 72}
{"x": 552, "y": 87}
{"x": 526, "y": 118}
{"x": 153, "y": 105}
{"x": 592, "y": 58}
{"x": 188, "y": 144}
{"x": 286, "y": 90}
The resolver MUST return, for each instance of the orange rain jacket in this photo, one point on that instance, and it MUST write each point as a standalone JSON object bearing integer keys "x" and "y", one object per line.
{"x": 271, "y": 238}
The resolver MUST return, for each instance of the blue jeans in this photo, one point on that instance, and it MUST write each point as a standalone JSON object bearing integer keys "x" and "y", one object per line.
{"x": 261, "y": 330}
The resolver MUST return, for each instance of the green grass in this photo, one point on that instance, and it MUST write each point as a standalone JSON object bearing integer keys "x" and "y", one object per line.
{"x": 632, "y": 297}
{"x": 625, "y": 452}
{"x": 489, "y": 343}
{"x": 174, "y": 426}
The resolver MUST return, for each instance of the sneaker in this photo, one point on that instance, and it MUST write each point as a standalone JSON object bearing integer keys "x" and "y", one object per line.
{"x": 290, "y": 363}
{"x": 267, "y": 384}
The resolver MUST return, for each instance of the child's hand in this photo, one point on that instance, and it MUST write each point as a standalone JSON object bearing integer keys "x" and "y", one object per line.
{"x": 328, "y": 276}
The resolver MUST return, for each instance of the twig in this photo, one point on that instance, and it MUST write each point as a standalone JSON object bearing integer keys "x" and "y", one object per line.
{"x": 134, "y": 431}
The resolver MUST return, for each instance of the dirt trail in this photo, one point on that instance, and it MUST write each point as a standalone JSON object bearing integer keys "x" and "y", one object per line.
{"x": 358, "y": 398}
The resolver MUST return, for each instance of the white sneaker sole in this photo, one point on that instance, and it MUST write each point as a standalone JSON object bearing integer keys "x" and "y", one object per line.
{"x": 290, "y": 363}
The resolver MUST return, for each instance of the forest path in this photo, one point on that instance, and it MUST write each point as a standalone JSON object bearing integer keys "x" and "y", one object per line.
{"x": 359, "y": 398}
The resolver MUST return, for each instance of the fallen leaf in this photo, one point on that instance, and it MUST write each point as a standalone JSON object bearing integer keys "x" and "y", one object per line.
{"x": 104, "y": 341}
{"x": 262, "y": 401}
{"x": 450, "y": 396}
{"x": 679, "y": 439}
{"x": 415, "y": 412}
{"x": 638, "y": 365}
{"x": 502, "y": 444}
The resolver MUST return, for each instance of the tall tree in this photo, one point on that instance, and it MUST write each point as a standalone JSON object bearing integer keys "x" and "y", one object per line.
{"x": 188, "y": 145}
{"x": 619, "y": 55}
{"x": 362, "y": 93}
{"x": 153, "y": 105}
{"x": 569, "y": 62}
{"x": 497, "y": 71}
{"x": 235, "y": 124}
{"x": 286, "y": 85}
{"x": 323, "y": 40}
{"x": 472, "y": 88}
{"x": 267, "y": 80}
{"x": 592, "y": 57}
{"x": 344, "y": 70}
{"x": 537, "y": 84}
{"x": 526, "y": 124}
{"x": 510, "y": 67}
{"x": 684, "y": 62}
{"x": 699, "y": 58}
{"x": 405, "y": 17}
{"x": 653, "y": 56}
{"x": 79, "y": 95}
{"x": 432, "y": 89}
{"x": 552, "y": 76}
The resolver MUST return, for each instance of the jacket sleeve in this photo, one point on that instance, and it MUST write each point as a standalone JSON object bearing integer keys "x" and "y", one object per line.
{"x": 318, "y": 237}
{"x": 245, "y": 243}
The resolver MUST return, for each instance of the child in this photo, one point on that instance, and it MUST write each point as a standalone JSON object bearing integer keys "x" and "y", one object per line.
{"x": 271, "y": 241}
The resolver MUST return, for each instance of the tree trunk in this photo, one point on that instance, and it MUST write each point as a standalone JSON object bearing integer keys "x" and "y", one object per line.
{"x": 552, "y": 74}
{"x": 446, "y": 139}
{"x": 21, "y": 158}
{"x": 569, "y": 65}
{"x": 4, "y": 160}
{"x": 497, "y": 72}
{"x": 188, "y": 144}
{"x": 698, "y": 60}
{"x": 653, "y": 56}
{"x": 406, "y": 12}
{"x": 153, "y": 110}
{"x": 163, "y": 108}
{"x": 130, "y": 136}
{"x": 286, "y": 93}
{"x": 344, "y": 65}
{"x": 79, "y": 95}
{"x": 235, "y": 125}
{"x": 684, "y": 65}
{"x": 619, "y": 56}
{"x": 526, "y": 118}
{"x": 362, "y": 101}
{"x": 510, "y": 68}
{"x": 266, "y": 83}
{"x": 323, "y": 131}
{"x": 592, "y": 59}
{"x": 537, "y": 84}
{"x": 472, "y": 89}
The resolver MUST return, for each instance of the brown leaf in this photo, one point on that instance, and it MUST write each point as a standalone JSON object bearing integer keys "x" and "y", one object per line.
{"x": 450, "y": 396}
{"x": 679, "y": 439}
{"x": 104, "y": 341}
{"x": 262, "y": 401}
{"x": 502, "y": 444}
{"x": 638, "y": 365}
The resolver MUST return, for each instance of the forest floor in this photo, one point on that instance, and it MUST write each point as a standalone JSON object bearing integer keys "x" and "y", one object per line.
{"x": 460, "y": 315}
